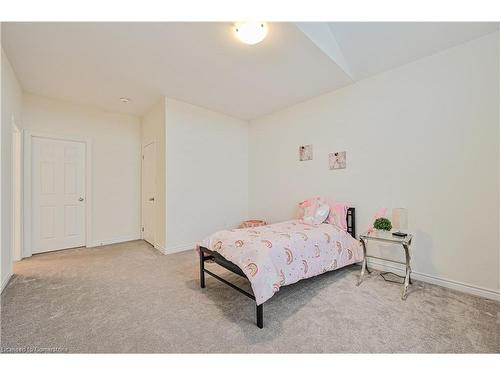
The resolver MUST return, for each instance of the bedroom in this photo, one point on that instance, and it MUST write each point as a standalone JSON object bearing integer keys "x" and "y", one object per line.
{"x": 192, "y": 155}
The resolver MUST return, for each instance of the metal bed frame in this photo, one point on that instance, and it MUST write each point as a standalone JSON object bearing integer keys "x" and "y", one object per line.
{"x": 206, "y": 254}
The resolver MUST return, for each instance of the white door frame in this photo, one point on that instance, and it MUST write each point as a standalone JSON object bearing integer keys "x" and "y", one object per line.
{"x": 17, "y": 196}
{"x": 155, "y": 235}
{"x": 27, "y": 209}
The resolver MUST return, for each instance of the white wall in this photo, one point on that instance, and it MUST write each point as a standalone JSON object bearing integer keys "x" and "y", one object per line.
{"x": 498, "y": 99}
{"x": 11, "y": 110}
{"x": 116, "y": 161}
{"x": 207, "y": 173}
{"x": 154, "y": 130}
{"x": 424, "y": 136}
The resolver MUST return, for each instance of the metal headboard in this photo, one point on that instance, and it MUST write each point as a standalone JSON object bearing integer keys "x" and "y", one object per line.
{"x": 351, "y": 221}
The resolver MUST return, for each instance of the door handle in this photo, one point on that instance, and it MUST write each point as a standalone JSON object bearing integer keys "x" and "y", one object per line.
{"x": 151, "y": 199}
{"x": 80, "y": 199}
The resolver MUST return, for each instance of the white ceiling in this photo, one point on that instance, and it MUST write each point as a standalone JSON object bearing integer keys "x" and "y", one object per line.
{"x": 371, "y": 48}
{"x": 203, "y": 63}
{"x": 200, "y": 63}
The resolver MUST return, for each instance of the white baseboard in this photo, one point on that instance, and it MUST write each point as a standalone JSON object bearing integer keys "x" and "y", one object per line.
{"x": 179, "y": 248}
{"x": 161, "y": 249}
{"x": 5, "y": 281}
{"x": 173, "y": 249}
{"x": 451, "y": 284}
{"x": 114, "y": 240}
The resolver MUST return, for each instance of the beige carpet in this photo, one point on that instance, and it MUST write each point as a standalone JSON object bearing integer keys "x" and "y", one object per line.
{"x": 130, "y": 298}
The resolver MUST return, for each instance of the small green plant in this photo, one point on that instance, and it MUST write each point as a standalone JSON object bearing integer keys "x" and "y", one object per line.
{"x": 382, "y": 223}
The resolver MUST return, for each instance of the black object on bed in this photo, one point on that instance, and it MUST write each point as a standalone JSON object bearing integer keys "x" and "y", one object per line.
{"x": 206, "y": 254}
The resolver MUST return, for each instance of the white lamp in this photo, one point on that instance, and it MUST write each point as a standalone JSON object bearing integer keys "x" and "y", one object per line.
{"x": 250, "y": 32}
{"x": 400, "y": 218}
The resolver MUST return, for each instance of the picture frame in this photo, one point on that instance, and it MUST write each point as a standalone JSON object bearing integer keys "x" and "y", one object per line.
{"x": 305, "y": 152}
{"x": 337, "y": 160}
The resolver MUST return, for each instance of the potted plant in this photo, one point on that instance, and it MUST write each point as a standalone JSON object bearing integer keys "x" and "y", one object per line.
{"x": 382, "y": 223}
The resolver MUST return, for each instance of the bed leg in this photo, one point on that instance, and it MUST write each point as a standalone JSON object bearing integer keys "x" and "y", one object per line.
{"x": 260, "y": 315}
{"x": 202, "y": 269}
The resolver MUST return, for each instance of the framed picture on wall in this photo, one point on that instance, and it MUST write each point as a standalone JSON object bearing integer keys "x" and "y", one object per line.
{"x": 305, "y": 152}
{"x": 337, "y": 160}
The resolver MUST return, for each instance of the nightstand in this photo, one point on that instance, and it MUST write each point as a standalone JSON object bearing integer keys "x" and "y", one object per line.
{"x": 387, "y": 237}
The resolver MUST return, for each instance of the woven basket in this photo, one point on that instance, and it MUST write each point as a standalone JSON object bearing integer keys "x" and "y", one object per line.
{"x": 252, "y": 224}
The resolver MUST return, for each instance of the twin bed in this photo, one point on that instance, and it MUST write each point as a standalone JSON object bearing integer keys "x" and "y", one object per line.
{"x": 279, "y": 254}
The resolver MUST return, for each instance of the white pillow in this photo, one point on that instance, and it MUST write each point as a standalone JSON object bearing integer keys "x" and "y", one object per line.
{"x": 318, "y": 216}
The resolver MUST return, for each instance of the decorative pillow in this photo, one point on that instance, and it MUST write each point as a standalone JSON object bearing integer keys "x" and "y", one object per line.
{"x": 338, "y": 215}
{"x": 322, "y": 213}
{"x": 317, "y": 215}
{"x": 307, "y": 207}
{"x": 314, "y": 210}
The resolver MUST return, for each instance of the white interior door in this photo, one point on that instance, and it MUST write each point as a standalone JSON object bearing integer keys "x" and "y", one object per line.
{"x": 148, "y": 192}
{"x": 58, "y": 194}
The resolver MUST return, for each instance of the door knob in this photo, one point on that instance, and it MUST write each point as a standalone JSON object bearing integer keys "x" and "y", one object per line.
{"x": 151, "y": 199}
{"x": 80, "y": 199}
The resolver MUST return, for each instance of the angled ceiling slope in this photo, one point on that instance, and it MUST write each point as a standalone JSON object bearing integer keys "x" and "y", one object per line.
{"x": 364, "y": 49}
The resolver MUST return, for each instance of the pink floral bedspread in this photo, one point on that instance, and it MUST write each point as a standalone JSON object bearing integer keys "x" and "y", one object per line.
{"x": 282, "y": 254}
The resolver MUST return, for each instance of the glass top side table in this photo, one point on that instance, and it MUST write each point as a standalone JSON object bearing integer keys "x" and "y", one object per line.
{"x": 387, "y": 237}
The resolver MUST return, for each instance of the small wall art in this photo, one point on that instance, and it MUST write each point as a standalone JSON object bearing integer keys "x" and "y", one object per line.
{"x": 305, "y": 152}
{"x": 337, "y": 160}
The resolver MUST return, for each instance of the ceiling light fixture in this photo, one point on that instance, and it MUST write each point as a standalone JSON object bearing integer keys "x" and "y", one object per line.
{"x": 250, "y": 32}
{"x": 124, "y": 100}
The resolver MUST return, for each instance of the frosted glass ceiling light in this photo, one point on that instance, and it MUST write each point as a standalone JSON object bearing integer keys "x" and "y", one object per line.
{"x": 250, "y": 32}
